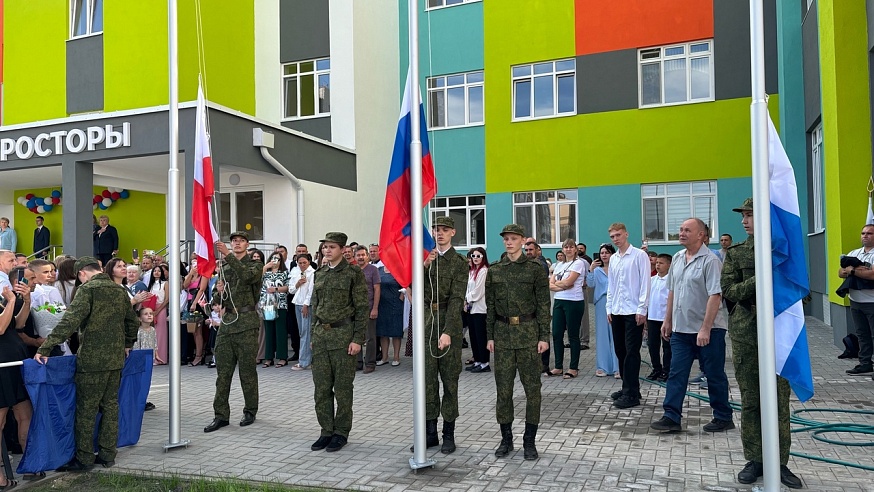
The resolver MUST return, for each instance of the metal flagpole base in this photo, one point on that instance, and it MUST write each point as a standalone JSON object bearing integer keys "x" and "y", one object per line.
{"x": 415, "y": 465}
{"x": 182, "y": 443}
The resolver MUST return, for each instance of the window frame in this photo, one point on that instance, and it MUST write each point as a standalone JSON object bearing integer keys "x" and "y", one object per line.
{"x": 687, "y": 56}
{"x": 444, "y": 6}
{"x": 817, "y": 181}
{"x": 666, "y": 240}
{"x": 435, "y": 211}
{"x": 556, "y": 202}
{"x": 556, "y": 75}
{"x": 316, "y": 72}
{"x": 89, "y": 22}
{"x": 444, "y": 89}
{"x": 233, "y": 192}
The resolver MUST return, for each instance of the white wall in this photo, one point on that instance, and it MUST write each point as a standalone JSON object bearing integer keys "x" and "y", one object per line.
{"x": 268, "y": 70}
{"x": 280, "y": 209}
{"x": 343, "y": 82}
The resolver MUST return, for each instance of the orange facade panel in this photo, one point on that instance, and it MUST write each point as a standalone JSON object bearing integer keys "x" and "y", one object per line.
{"x": 603, "y": 26}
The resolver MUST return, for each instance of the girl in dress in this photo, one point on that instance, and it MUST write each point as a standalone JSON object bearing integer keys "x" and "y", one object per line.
{"x": 146, "y": 336}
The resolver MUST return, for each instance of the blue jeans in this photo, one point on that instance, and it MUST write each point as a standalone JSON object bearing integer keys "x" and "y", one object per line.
{"x": 303, "y": 324}
{"x": 684, "y": 348}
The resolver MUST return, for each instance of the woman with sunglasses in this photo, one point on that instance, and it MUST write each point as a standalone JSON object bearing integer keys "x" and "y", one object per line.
{"x": 475, "y": 307}
{"x": 605, "y": 355}
{"x": 567, "y": 282}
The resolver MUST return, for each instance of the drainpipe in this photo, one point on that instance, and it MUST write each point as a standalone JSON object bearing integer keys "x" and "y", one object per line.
{"x": 264, "y": 141}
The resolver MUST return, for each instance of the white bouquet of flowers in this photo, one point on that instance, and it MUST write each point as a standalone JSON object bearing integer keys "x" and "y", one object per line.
{"x": 46, "y": 317}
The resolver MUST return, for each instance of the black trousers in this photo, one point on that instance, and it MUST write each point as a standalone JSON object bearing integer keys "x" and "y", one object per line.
{"x": 656, "y": 345}
{"x": 627, "y": 338}
{"x": 293, "y": 332}
{"x": 478, "y": 338}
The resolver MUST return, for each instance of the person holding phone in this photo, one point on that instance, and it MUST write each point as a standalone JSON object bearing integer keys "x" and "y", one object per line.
{"x": 274, "y": 283}
{"x": 606, "y": 361}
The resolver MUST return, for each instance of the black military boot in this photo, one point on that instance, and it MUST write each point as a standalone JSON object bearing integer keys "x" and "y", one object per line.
{"x": 448, "y": 437}
{"x": 528, "y": 442}
{"x": 506, "y": 441}
{"x": 431, "y": 439}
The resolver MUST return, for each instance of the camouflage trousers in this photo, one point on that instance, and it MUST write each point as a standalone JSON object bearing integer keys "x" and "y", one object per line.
{"x": 96, "y": 391}
{"x": 527, "y": 362}
{"x": 448, "y": 367}
{"x": 746, "y": 369}
{"x": 231, "y": 350}
{"x": 333, "y": 377}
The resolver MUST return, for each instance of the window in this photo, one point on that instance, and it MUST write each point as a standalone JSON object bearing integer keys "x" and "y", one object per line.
{"x": 469, "y": 214}
{"x": 436, "y": 4}
{"x": 241, "y": 210}
{"x": 816, "y": 160}
{"x": 455, "y": 100}
{"x": 549, "y": 217}
{"x": 666, "y": 206}
{"x": 676, "y": 74}
{"x": 86, "y": 17}
{"x": 542, "y": 90}
{"x": 306, "y": 89}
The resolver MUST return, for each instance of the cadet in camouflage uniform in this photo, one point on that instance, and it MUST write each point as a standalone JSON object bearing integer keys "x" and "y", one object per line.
{"x": 236, "y": 342}
{"x": 102, "y": 313}
{"x": 518, "y": 330}
{"x": 443, "y": 296}
{"x": 340, "y": 313}
{"x": 739, "y": 286}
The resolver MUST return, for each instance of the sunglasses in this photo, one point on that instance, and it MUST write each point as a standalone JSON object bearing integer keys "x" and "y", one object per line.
{"x": 476, "y": 256}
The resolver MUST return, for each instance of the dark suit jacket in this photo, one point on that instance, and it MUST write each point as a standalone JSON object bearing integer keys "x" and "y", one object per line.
{"x": 106, "y": 243}
{"x": 41, "y": 238}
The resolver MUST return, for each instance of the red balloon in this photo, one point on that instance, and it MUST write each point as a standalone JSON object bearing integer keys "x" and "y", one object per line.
{"x": 116, "y": 196}
{"x": 106, "y": 194}
{"x": 33, "y": 209}
{"x": 97, "y": 198}
{"x": 29, "y": 196}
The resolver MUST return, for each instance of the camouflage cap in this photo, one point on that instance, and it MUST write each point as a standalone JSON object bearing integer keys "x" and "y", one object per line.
{"x": 513, "y": 229}
{"x": 242, "y": 234}
{"x": 335, "y": 237}
{"x": 746, "y": 207}
{"x": 444, "y": 220}
{"x": 84, "y": 262}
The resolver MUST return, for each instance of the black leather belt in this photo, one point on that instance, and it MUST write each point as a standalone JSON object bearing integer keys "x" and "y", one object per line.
{"x": 246, "y": 309}
{"x": 439, "y": 305}
{"x": 337, "y": 324}
{"x": 515, "y": 320}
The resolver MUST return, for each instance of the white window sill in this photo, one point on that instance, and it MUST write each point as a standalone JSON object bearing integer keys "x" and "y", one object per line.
{"x": 682, "y": 103}
{"x": 323, "y": 115}
{"x": 550, "y": 117}
{"x": 441, "y": 128}
{"x": 83, "y": 36}
{"x": 441, "y": 7}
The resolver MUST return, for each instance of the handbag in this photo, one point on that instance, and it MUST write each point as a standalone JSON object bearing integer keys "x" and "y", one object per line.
{"x": 269, "y": 307}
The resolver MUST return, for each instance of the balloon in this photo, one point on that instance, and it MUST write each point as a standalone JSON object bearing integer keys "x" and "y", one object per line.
{"x": 94, "y": 206}
{"x": 101, "y": 206}
{"x": 56, "y": 194}
{"x": 22, "y": 200}
{"x": 124, "y": 194}
{"x": 40, "y": 209}
{"x": 50, "y": 201}
{"x": 47, "y": 208}
{"x": 106, "y": 202}
{"x": 28, "y": 196}
{"x": 116, "y": 195}
{"x": 39, "y": 201}
{"x": 106, "y": 194}
{"x": 30, "y": 203}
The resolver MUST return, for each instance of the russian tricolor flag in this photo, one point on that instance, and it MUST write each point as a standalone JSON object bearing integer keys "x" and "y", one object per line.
{"x": 395, "y": 242}
{"x": 790, "y": 271}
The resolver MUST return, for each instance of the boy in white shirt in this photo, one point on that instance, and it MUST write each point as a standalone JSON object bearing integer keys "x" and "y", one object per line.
{"x": 658, "y": 301}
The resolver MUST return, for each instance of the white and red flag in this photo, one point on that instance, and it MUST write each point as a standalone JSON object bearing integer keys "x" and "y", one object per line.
{"x": 205, "y": 235}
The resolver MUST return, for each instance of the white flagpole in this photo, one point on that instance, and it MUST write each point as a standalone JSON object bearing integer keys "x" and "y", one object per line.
{"x": 419, "y": 459}
{"x": 173, "y": 239}
{"x": 762, "y": 238}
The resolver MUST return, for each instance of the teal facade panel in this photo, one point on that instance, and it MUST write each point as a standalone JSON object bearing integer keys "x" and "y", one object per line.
{"x": 459, "y": 160}
{"x": 730, "y": 193}
{"x": 499, "y": 212}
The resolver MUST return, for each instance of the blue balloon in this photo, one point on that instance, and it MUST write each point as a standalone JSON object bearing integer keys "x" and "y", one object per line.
{"x": 31, "y": 203}
{"x": 101, "y": 206}
{"x": 56, "y": 194}
{"x": 124, "y": 193}
{"x": 47, "y": 208}
{"x": 40, "y": 201}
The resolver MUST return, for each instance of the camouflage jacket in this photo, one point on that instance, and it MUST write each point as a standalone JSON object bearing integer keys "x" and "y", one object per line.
{"x": 102, "y": 313}
{"x": 445, "y": 287}
{"x": 517, "y": 288}
{"x": 242, "y": 291}
{"x": 339, "y": 294}
{"x": 739, "y": 285}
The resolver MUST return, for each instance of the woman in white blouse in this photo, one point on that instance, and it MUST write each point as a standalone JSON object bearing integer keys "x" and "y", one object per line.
{"x": 302, "y": 288}
{"x": 567, "y": 281}
{"x": 475, "y": 306}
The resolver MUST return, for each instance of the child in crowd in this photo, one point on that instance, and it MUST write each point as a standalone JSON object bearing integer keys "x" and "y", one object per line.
{"x": 147, "y": 337}
{"x": 658, "y": 303}
{"x": 215, "y": 321}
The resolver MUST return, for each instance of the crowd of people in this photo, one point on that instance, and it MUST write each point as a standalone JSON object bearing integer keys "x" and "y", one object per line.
{"x": 342, "y": 310}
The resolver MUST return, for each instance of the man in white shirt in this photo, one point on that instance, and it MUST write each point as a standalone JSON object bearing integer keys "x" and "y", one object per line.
{"x": 627, "y": 298}
{"x": 658, "y": 302}
{"x": 862, "y": 301}
{"x": 7, "y": 263}
{"x": 696, "y": 324}
{"x": 724, "y": 241}
{"x": 44, "y": 277}
{"x": 291, "y": 321}
{"x": 374, "y": 256}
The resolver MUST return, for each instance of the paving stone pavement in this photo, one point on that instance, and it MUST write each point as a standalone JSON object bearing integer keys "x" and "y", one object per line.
{"x": 584, "y": 443}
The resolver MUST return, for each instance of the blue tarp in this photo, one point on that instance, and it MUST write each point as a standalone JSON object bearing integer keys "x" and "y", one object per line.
{"x": 52, "y": 390}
